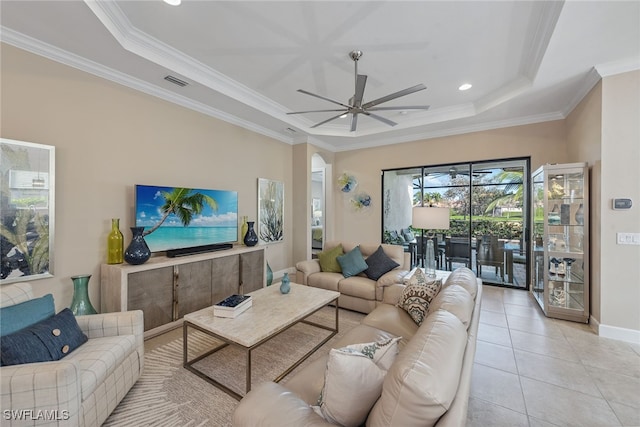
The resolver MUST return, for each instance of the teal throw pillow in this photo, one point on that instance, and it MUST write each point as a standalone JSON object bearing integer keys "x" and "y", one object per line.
{"x": 48, "y": 340}
{"x": 352, "y": 263}
{"x": 379, "y": 263}
{"x": 19, "y": 316}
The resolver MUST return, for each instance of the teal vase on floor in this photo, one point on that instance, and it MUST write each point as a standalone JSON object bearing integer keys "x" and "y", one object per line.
{"x": 269, "y": 275}
{"x": 81, "y": 305}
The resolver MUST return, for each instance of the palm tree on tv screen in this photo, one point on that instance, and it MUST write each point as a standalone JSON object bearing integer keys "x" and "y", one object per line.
{"x": 184, "y": 205}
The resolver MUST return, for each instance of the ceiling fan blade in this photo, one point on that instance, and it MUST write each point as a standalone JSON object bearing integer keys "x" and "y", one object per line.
{"x": 408, "y": 107}
{"x": 360, "y": 84}
{"x": 322, "y": 97}
{"x": 395, "y": 95}
{"x": 380, "y": 118}
{"x": 317, "y": 111}
{"x": 354, "y": 122}
{"x": 328, "y": 120}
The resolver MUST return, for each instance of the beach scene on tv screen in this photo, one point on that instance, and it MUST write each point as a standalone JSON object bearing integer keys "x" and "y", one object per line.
{"x": 217, "y": 221}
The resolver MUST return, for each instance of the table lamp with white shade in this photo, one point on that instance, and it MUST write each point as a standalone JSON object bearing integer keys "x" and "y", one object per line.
{"x": 430, "y": 218}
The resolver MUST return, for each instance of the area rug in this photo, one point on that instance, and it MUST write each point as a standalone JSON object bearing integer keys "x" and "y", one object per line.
{"x": 169, "y": 395}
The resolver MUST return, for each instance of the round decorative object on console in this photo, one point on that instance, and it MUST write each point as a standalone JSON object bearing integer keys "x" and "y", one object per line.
{"x": 285, "y": 286}
{"x": 80, "y": 304}
{"x": 138, "y": 252}
{"x": 251, "y": 238}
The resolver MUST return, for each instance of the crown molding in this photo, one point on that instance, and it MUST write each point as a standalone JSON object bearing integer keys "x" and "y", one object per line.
{"x": 618, "y": 67}
{"x": 460, "y": 130}
{"x": 539, "y": 42}
{"x": 61, "y": 56}
{"x": 592, "y": 78}
{"x": 152, "y": 49}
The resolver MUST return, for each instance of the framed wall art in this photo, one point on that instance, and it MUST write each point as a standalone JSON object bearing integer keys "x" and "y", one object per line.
{"x": 27, "y": 210}
{"x": 270, "y": 227}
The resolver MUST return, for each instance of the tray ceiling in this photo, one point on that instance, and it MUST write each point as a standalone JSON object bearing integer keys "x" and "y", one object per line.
{"x": 243, "y": 62}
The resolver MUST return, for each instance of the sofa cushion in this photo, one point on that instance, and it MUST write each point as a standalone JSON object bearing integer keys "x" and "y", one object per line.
{"x": 328, "y": 259}
{"x": 464, "y": 277}
{"x": 352, "y": 263}
{"x": 422, "y": 383}
{"x": 27, "y": 313}
{"x": 358, "y": 286}
{"x": 417, "y": 296}
{"x": 393, "y": 320}
{"x": 379, "y": 263}
{"x": 352, "y": 384}
{"x": 328, "y": 281}
{"x": 48, "y": 340}
{"x": 456, "y": 300}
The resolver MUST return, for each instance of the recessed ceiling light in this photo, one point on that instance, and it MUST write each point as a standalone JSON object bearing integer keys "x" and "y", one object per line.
{"x": 173, "y": 2}
{"x": 465, "y": 86}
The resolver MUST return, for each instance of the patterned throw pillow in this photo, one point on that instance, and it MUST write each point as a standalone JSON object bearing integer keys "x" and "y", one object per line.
{"x": 418, "y": 294}
{"x": 328, "y": 259}
{"x": 383, "y": 352}
{"x": 352, "y": 385}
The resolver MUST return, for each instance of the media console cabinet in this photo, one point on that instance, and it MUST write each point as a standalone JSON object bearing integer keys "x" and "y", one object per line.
{"x": 166, "y": 289}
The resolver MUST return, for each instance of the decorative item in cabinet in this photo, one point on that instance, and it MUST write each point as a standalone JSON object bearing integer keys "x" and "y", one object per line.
{"x": 560, "y": 261}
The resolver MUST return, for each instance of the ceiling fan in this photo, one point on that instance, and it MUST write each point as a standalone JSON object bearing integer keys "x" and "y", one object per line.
{"x": 355, "y": 104}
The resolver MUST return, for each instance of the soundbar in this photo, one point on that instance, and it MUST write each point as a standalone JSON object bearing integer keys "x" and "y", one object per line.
{"x": 172, "y": 253}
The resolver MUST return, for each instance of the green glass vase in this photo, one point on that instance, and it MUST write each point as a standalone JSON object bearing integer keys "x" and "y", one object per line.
{"x": 115, "y": 243}
{"x": 243, "y": 229}
{"x": 81, "y": 305}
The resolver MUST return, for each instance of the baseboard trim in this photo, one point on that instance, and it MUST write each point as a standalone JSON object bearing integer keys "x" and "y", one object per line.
{"x": 617, "y": 333}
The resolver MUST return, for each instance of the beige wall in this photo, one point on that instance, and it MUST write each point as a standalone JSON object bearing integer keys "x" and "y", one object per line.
{"x": 584, "y": 139}
{"x": 620, "y": 267}
{"x": 107, "y": 139}
{"x": 544, "y": 142}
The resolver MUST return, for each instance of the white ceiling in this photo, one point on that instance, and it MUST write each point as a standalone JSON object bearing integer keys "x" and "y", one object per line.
{"x": 528, "y": 61}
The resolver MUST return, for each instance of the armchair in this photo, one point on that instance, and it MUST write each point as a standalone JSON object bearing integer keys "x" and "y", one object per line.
{"x": 84, "y": 387}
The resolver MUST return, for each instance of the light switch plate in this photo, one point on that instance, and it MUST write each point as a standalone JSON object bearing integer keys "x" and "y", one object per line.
{"x": 628, "y": 238}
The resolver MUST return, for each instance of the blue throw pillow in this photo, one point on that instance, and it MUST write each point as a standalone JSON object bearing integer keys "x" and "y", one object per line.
{"x": 379, "y": 263}
{"x": 24, "y": 314}
{"x": 352, "y": 262}
{"x": 48, "y": 340}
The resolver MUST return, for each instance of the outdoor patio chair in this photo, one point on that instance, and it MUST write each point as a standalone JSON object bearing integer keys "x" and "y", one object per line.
{"x": 457, "y": 250}
{"x": 490, "y": 252}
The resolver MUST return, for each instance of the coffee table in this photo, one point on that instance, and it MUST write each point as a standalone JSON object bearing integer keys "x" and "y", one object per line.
{"x": 270, "y": 314}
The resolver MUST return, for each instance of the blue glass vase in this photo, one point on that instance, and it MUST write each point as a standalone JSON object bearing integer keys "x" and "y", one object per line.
{"x": 137, "y": 252}
{"x": 285, "y": 285}
{"x": 81, "y": 305}
{"x": 251, "y": 238}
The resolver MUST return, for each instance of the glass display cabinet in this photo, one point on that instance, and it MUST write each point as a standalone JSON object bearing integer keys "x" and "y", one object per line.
{"x": 560, "y": 243}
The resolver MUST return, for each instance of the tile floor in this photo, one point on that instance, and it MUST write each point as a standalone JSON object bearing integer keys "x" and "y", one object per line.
{"x": 537, "y": 372}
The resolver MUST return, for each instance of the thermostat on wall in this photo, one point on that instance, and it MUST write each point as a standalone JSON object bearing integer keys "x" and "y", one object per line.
{"x": 622, "y": 204}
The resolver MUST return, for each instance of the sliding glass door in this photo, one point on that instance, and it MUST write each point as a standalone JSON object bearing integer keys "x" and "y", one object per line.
{"x": 488, "y": 216}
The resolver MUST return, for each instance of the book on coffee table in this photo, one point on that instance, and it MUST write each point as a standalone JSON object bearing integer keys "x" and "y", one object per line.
{"x": 232, "y": 306}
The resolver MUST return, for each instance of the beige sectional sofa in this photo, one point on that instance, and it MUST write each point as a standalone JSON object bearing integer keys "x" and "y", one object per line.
{"x": 84, "y": 387}
{"x": 427, "y": 384}
{"x": 358, "y": 293}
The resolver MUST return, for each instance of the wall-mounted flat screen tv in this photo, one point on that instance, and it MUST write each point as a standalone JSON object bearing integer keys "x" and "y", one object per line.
{"x": 186, "y": 217}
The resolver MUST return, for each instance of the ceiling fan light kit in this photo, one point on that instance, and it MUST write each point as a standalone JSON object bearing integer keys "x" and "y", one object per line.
{"x": 355, "y": 104}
